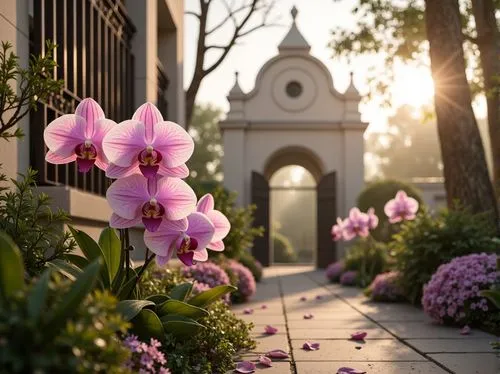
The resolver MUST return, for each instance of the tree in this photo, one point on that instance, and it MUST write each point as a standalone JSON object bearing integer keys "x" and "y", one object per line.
{"x": 465, "y": 170}
{"x": 410, "y": 147}
{"x": 396, "y": 31}
{"x": 205, "y": 164}
{"x": 245, "y": 16}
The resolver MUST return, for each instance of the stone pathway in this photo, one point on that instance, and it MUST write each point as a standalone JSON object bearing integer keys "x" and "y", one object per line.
{"x": 401, "y": 339}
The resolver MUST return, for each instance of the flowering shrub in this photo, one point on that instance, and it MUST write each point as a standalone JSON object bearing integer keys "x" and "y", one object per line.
{"x": 453, "y": 293}
{"x": 335, "y": 270}
{"x": 349, "y": 278}
{"x": 199, "y": 287}
{"x": 145, "y": 358}
{"x": 208, "y": 273}
{"x": 251, "y": 262}
{"x": 385, "y": 287}
{"x": 246, "y": 282}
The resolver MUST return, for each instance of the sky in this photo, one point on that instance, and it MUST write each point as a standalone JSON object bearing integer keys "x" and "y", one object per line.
{"x": 315, "y": 20}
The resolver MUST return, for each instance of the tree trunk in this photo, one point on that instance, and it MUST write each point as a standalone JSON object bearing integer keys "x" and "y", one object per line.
{"x": 465, "y": 169}
{"x": 488, "y": 41}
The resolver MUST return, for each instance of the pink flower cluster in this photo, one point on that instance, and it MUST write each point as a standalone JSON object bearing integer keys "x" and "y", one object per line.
{"x": 207, "y": 273}
{"x": 385, "y": 287}
{"x": 357, "y": 224}
{"x": 147, "y": 155}
{"x": 246, "y": 282}
{"x": 453, "y": 293}
{"x": 199, "y": 287}
{"x": 145, "y": 358}
{"x": 349, "y": 278}
{"x": 335, "y": 270}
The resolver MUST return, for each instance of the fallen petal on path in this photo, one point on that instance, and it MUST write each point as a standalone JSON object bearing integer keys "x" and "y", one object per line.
{"x": 263, "y": 306}
{"x": 270, "y": 330}
{"x": 359, "y": 335}
{"x": 465, "y": 330}
{"x": 248, "y": 311}
{"x": 308, "y": 316}
{"x": 277, "y": 353}
{"x": 310, "y": 346}
{"x": 303, "y": 298}
{"x": 245, "y": 367}
{"x": 266, "y": 361}
{"x": 346, "y": 370}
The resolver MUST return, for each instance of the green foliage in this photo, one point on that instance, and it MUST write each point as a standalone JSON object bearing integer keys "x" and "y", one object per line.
{"x": 246, "y": 259}
{"x": 369, "y": 253}
{"x": 34, "y": 84}
{"x": 427, "y": 242}
{"x": 27, "y": 218}
{"x": 211, "y": 350}
{"x": 283, "y": 249}
{"x": 205, "y": 163}
{"x": 376, "y": 195}
{"x": 157, "y": 281}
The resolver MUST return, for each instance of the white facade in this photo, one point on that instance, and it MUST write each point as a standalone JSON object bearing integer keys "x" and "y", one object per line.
{"x": 294, "y": 115}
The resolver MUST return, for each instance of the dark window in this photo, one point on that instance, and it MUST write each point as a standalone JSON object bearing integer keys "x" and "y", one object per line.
{"x": 294, "y": 89}
{"x": 94, "y": 60}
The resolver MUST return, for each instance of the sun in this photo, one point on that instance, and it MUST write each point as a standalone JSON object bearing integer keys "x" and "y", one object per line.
{"x": 412, "y": 85}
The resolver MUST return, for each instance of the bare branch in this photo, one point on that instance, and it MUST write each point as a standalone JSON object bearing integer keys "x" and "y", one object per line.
{"x": 197, "y": 15}
{"x": 231, "y": 13}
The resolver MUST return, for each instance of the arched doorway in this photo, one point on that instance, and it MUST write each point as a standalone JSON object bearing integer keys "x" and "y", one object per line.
{"x": 293, "y": 215}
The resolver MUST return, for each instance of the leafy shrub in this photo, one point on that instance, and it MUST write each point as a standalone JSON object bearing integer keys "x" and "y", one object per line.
{"x": 368, "y": 253}
{"x": 385, "y": 287}
{"x": 245, "y": 281}
{"x": 349, "y": 278}
{"x": 211, "y": 350}
{"x": 157, "y": 280}
{"x": 427, "y": 242}
{"x": 283, "y": 249}
{"x": 376, "y": 195}
{"x": 335, "y": 270}
{"x": 453, "y": 293}
{"x": 27, "y": 218}
{"x": 252, "y": 263}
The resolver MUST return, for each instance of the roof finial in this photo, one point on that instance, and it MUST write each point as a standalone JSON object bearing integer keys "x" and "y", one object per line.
{"x": 236, "y": 90}
{"x": 294, "y": 13}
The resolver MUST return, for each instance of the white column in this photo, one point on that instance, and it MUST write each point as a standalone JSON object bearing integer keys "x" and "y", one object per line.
{"x": 354, "y": 169}
{"x": 234, "y": 162}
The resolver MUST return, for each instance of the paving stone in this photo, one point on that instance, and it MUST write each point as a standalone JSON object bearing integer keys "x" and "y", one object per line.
{"x": 263, "y": 320}
{"x": 370, "y": 367}
{"x": 451, "y": 345}
{"x": 469, "y": 363}
{"x": 266, "y": 343}
{"x": 322, "y": 316}
{"x": 273, "y": 308}
{"x": 344, "y": 350}
{"x": 258, "y": 330}
{"x": 412, "y": 330}
{"x": 277, "y": 368}
{"x": 344, "y": 334}
{"x": 354, "y": 324}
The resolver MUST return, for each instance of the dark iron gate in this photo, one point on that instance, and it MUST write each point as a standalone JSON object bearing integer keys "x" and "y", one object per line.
{"x": 94, "y": 60}
{"x": 327, "y": 213}
{"x": 260, "y": 197}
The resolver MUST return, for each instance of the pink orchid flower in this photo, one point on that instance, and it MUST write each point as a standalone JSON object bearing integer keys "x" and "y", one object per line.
{"x": 245, "y": 367}
{"x": 359, "y": 335}
{"x": 136, "y": 199}
{"x": 277, "y": 353}
{"x": 346, "y": 370}
{"x": 310, "y": 346}
{"x": 338, "y": 230}
{"x": 356, "y": 224}
{"x": 401, "y": 208}
{"x": 188, "y": 238}
{"x": 372, "y": 219}
{"x": 148, "y": 144}
{"x": 266, "y": 361}
{"x": 270, "y": 330}
{"x": 221, "y": 223}
{"x": 79, "y": 137}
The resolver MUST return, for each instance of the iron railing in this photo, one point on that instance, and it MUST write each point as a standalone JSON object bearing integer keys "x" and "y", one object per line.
{"x": 95, "y": 60}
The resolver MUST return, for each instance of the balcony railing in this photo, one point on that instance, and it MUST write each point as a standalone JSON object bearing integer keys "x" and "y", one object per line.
{"x": 163, "y": 83}
{"x": 94, "y": 60}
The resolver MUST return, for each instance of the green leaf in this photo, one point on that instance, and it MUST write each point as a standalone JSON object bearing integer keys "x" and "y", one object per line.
{"x": 77, "y": 260}
{"x": 147, "y": 325}
{"x": 493, "y": 296}
{"x": 181, "y": 292}
{"x": 11, "y": 267}
{"x": 111, "y": 247}
{"x": 130, "y": 308}
{"x": 181, "y": 326}
{"x": 38, "y": 295}
{"x": 180, "y": 308}
{"x": 127, "y": 288}
{"x": 158, "y": 299}
{"x": 207, "y": 297}
{"x": 67, "y": 269}
{"x": 92, "y": 251}
{"x": 82, "y": 286}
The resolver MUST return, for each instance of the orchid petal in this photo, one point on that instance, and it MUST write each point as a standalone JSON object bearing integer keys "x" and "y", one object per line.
{"x": 319, "y": 297}
{"x": 205, "y": 204}
{"x": 248, "y": 311}
{"x": 176, "y": 196}
{"x": 263, "y": 306}
{"x": 116, "y": 172}
{"x": 91, "y": 112}
{"x": 180, "y": 171}
{"x": 126, "y": 196}
{"x": 187, "y": 258}
{"x": 310, "y": 346}
{"x": 217, "y": 246}
{"x": 221, "y": 224}
{"x": 308, "y": 316}
{"x": 162, "y": 240}
{"x": 123, "y": 143}
{"x": 390, "y": 208}
{"x": 162, "y": 260}
{"x": 201, "y": 255}
{"x": 118, "y": 222}
{"x": 200, "y": 228}
{"x": 346, "y": 370}
{"x": 266, "y": 361}
{"x": 303, "y": 298}
{"x": 149, "y": 115}
{"x": 270, "y": 330}
{"x": 465, "y": 330}
{"x": 360, "y": 335}
{"x": 245, "y": 367}
{"x": 54, "y": 158}
{"x": 173, "y": 142}
{"x": 64, "y": 133}
{"x": 277, "y": 353}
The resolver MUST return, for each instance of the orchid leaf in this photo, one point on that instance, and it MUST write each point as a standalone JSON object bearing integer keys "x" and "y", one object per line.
{"x": 130, "y": 308}
{"x": 181, "y": 292}
{"x": 181, "y": 308}
{"x": 37, "y": 296}
{"x": 147, "y": 325}
{"x": 207, "y": 297}
{"x": 111, "y": 248}
{"x": 158, "y": 299}
{"x": 181, "y": 326}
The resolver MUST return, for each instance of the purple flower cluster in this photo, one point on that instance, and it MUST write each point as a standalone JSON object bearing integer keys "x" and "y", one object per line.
{"x": 452, "y": 294}
{"x": 335, "y": 270}
{"x": 385, "y": 287}
{"x": 349, "y": 278}
{"x": 246, "y": 282}
{"x": 145, "y": 358}
{"x": 199, "y": 287}
{"x": 209, "y": 274}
